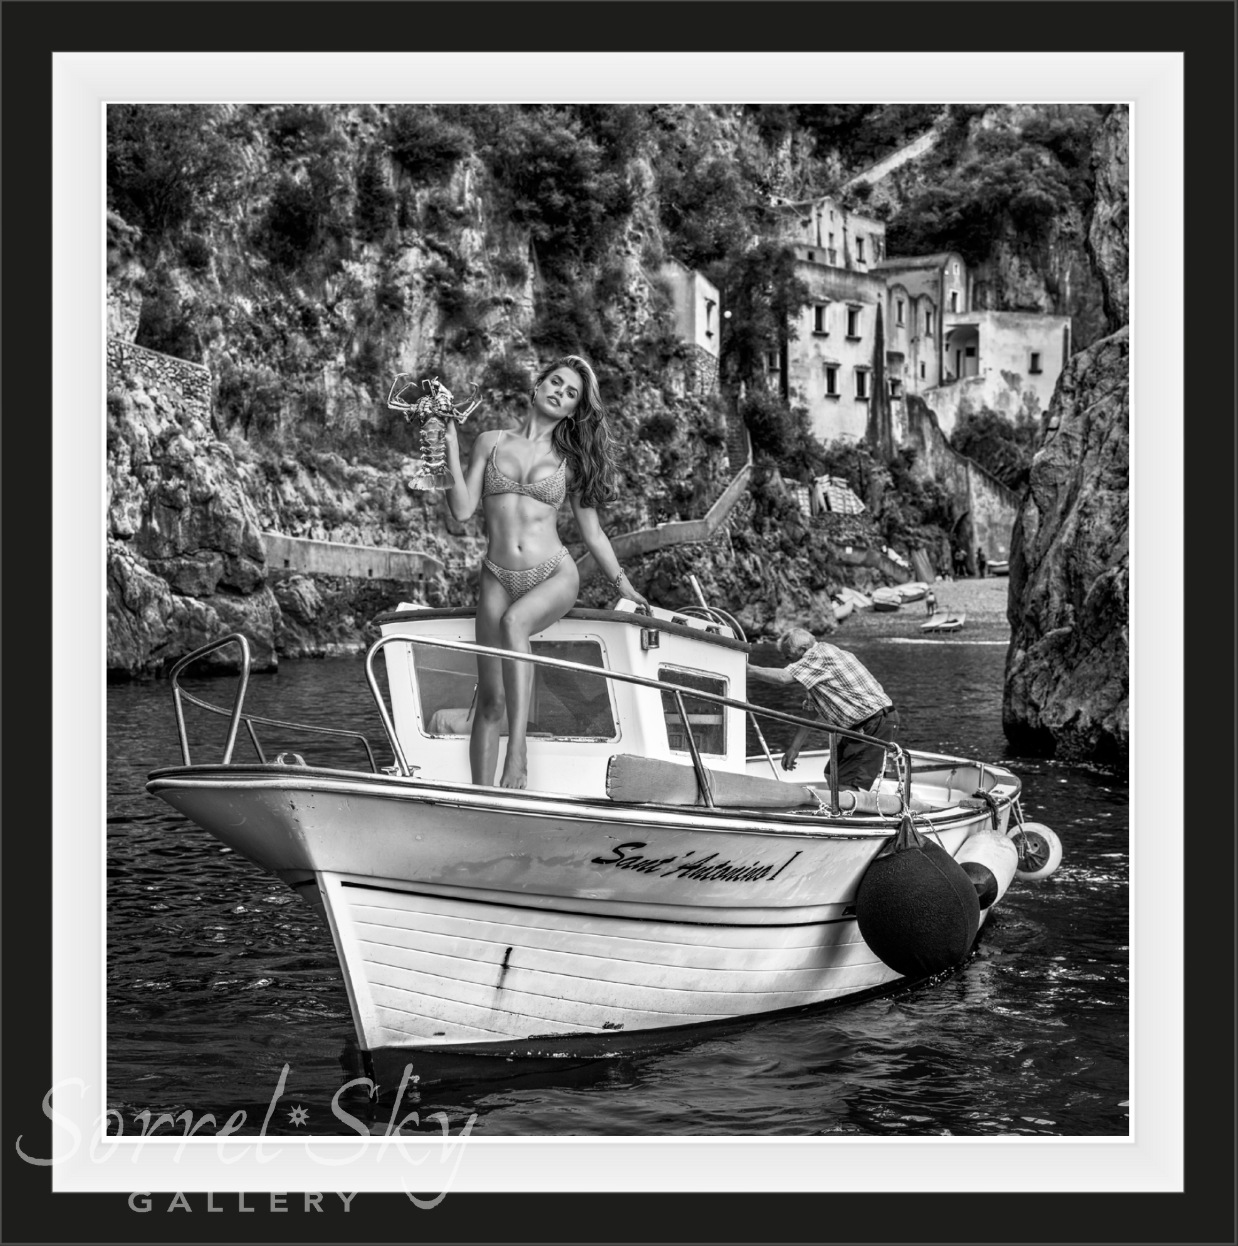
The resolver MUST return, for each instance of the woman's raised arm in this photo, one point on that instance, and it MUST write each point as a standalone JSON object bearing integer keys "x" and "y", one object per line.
{"x": 598, "y": 544}
{"x": 464, "y": 492}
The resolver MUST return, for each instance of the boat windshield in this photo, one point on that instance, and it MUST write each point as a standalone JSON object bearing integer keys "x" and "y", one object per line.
{"x": 707, "y": 717}
{"x": 566, "y": 705}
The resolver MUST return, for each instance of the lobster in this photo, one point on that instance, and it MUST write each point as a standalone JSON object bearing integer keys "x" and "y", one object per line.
{"x": 433, "y": 410}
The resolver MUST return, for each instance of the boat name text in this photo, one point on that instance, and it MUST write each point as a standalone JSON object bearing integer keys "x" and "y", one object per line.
{"x": 701, "y": 869}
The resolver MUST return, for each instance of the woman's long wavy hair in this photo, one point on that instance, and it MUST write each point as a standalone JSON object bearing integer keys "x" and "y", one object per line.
{"x": 584, "y": 439}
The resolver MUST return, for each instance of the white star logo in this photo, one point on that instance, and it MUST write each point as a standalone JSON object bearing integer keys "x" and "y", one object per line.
{"x": 298, "y": 1116}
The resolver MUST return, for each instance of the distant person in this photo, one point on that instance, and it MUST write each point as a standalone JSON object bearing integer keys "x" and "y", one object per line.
{"x": 843, "y": 693}
{"x": 982, "y": 562}
{"x": 960, "y": 564}
{"x": 930, "y": 602}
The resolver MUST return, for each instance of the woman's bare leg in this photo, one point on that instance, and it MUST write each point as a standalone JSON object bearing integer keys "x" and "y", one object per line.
{"x": 534, "y": 612}
{"x": 492, "y": 601}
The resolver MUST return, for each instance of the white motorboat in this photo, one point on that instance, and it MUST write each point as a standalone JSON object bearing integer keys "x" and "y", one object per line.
{"x": 652, "y": 876}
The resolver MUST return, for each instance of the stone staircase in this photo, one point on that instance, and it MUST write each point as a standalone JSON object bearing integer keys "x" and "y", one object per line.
{"x": 736, "y": 441}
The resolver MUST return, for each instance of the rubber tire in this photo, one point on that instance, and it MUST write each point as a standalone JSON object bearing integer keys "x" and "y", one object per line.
{"x": 1040, "y": 850}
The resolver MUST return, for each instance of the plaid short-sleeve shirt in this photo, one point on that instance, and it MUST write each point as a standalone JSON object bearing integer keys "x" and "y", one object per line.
{"x": 841, "y": 689}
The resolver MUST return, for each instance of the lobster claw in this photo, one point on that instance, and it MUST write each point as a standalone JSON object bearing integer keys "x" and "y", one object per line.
{"x": 399, "y": 387}
{"x": 474, "y": 403}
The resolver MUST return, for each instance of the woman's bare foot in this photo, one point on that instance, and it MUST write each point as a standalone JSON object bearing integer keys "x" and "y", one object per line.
{"x": 515, "y": 770}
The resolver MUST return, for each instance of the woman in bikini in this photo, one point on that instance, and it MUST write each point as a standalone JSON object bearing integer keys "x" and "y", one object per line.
{"x": 527, "y": 581}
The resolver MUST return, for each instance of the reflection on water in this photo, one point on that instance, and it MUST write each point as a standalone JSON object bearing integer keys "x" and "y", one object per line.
{"x": 218, "y": 975}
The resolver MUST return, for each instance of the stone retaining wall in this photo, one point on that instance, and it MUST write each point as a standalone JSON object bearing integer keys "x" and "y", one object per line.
{"x": 358, "y": 562}
{"x": 191, "y": 382}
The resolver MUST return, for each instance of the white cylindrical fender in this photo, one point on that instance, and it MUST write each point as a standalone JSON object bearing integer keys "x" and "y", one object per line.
{"x": 989, "y": 860}
{"x": 1039, "y": 849}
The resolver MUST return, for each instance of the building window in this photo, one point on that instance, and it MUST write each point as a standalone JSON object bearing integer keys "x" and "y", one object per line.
{"x": 853, "y": 322}
{"x": 709, "y": 317}
{"x": 820, "y": 319}
{"x": 928, "y": 322}
{"x": 878, "y": 248}
{"x": 859, "y": 249}
{"x": 861, "y": 383}
{"x": 896, "y": 388}
{"x": 771, "y": 361}
{"x": 923, "y": 373}
{"x": 1035, "y": 363}
{"x": 812, "y": 255}
{"x": 954, "y": 300}
{"x": 831, "y": 380}
{"x": 954, "y": 268}
{"x": 898, "y": 305}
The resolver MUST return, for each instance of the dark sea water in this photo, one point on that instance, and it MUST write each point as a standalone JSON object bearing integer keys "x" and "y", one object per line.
{"x": 218, "y": 975}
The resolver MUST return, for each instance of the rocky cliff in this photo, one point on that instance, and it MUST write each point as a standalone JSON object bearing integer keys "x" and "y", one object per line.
{"x": 299, "y": 256}
{"x": 1068, "y": 668}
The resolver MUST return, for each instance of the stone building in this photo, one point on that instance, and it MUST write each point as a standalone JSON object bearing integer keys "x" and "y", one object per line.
{"x": 697, "y": 310}
{"x": 879, "y": 327}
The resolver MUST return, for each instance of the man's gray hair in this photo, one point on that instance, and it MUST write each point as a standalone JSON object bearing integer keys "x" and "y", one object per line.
{"x": 795, "y": 638}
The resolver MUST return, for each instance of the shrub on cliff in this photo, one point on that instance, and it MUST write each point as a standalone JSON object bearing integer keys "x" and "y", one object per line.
{"x": 169, "y": 164}
{"x": 555, "y": 179}
{"x": 781, "y": 433}
{"x": 998, "y": 445}
{"x": 164, "y": 325}
{"x": 1019, "y": 179}
{"x": 304, "y": 223}
{"x": 425, "y": 145}
{"x": 374, "y": 211}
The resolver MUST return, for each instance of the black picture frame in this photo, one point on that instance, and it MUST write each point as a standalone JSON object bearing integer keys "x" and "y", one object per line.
{"x": 1201, "y": 761}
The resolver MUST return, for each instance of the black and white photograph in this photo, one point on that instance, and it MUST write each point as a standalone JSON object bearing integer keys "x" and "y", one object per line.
{"x": 601, "y": 641}
{"x": 617, "y": 617}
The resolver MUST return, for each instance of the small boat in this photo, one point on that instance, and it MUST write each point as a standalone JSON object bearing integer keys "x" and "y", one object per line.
{"x": 1000, "y": 566}
{"x": 651, "y": 876}
{"x": 857, "y": 599}
{"x": 945, "y": 621}
{"x": 915, "y": 590}
{"x": 887, "y": 599}
{"x": 843, "y": 606}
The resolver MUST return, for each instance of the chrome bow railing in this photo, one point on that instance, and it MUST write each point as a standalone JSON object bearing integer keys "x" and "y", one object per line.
{"x": 236, "y": 716}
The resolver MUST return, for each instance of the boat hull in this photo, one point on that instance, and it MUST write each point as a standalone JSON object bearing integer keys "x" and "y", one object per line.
{"x": 476, "y": 916}
{"x": 431, "y": 970}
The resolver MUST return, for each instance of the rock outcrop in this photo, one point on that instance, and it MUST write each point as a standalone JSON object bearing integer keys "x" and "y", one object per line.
{"x": 1067, "y": 671}
{"x": 185, "y": 559}
{"x": 1108, "y": 234}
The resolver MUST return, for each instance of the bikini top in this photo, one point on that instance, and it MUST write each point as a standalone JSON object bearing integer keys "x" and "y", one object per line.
{"x": 551, "y": 491}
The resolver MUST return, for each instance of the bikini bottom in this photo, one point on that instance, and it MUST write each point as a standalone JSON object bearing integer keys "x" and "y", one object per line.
{"x": 517, "y": 583}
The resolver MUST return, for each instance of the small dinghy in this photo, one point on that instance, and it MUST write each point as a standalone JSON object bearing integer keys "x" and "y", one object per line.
{"x": 886, "y": 599}
{"x": 857, "y": 599}
{"x": 916, "y": 590}
{"x": 1000, "y": 566}
{"x": 843, "y": 606}
{"x": 945, "y": 621}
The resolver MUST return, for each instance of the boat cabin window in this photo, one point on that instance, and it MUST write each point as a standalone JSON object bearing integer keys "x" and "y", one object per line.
{"x": 708, "y": 719}
{"x": 566, "y": 705}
